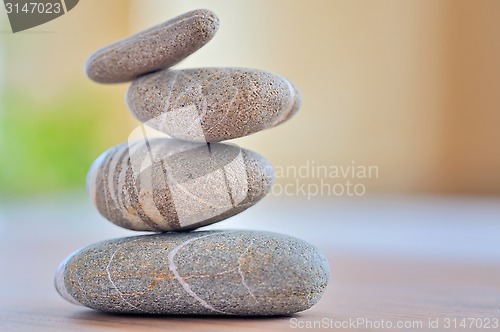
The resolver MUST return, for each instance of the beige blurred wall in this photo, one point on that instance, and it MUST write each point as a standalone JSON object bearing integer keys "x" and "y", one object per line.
{"x": 411, "y": 87}
{"x": 470, "y": 161}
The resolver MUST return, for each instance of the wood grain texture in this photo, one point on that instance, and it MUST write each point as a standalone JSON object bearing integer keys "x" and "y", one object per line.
{"x": 365, "y": 283}
{"x": 361, "y": 287}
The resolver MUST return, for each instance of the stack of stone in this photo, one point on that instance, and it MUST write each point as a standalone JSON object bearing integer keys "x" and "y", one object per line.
{"x": 177, "y": 184}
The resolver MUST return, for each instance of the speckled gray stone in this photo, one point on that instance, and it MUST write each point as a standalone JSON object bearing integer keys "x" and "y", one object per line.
{"x": 157, "y": 48}
{"x": 212, "y": 104}
{"x": 207, "y": 273}
{"x": 166, "y": 184}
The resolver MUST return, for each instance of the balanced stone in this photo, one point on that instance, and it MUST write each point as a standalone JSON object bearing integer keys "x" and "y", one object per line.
{"x": 157, "y": 48}
{"x": 165, "y": 184}
{"x": 201, "y": 273}
{"x": 212, "y": 104}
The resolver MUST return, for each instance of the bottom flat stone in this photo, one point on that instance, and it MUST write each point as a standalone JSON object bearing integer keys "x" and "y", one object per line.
{"x": 205, "y": 272}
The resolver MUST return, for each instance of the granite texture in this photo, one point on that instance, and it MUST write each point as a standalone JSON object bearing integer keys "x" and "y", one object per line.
{"x": 166, "y": 184}
{"x": 212, "y": 104}
{"x": 157, "y": 48}
{"x": 201, "y": 273}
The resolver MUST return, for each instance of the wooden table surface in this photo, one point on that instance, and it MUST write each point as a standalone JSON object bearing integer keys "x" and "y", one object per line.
{"x": 394, "y": 261}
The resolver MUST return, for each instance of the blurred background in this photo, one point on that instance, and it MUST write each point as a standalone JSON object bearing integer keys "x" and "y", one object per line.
{"x": 410, "y": 87}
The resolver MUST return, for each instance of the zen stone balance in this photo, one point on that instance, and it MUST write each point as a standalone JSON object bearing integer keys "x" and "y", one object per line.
{"x": 174, "y": 185}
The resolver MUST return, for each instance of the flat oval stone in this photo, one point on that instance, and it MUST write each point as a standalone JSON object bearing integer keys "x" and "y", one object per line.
{"x": 157, "y": 48}
{"x": 166, "y": 184}
{"x": 212, "y": 104}
{"x": 196, "y": 273}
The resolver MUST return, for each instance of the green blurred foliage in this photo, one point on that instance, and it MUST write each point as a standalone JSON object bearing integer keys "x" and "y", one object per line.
{"x": 49, "y": 147}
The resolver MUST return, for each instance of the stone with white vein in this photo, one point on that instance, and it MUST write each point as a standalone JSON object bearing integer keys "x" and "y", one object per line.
{"x": 196, "y": 273}
{"x": 165, "y": 184}
{"x": 213, "y": 104}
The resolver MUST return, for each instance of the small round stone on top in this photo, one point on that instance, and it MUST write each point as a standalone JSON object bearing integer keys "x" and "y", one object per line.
{"x": 157, "y": 48}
